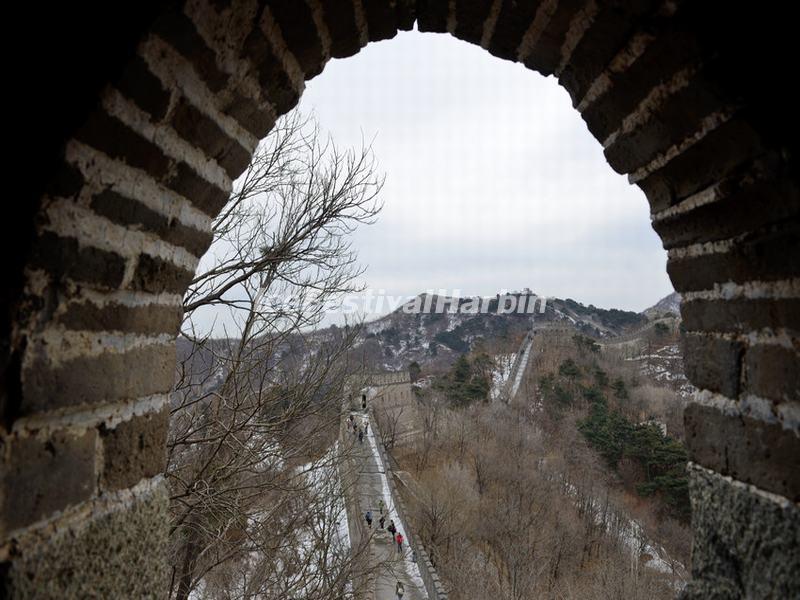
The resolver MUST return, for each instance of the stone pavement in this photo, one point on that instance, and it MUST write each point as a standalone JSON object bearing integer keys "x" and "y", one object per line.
{"x": 371, "y": 487}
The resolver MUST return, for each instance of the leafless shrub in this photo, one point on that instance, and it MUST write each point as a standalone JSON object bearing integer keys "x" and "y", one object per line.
{"x": 252, "y": 460}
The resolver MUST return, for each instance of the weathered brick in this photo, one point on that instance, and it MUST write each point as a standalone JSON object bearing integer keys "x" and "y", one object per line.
{"x": 471, "y": 16}
{"x": 677, "y": 118}
{"x": 115, "y": 139}
{"x": 155, "y": 275}
{"x": 202, "y": 131}
{"x": 254, "y": 117}
{"x": 153, "y": 318}
{"x": 112, "y": 137}
{"x": 513, "y": 21}
{"x": 177, "y": 29}
{"x": 66, "y": 258}
{"x": 546, "y": 54}
{"x": 117, "y": 553}
{"x": 773, "y": 372}
{"x": 705, "y": 162}
{"x": 609, "y": 31}
{"x": 742, "y": 315}
{"x": 766, "y": 256}
{"x": 270, "y": 72}
{"x": 202, "y": 193}
{"x": 300, "y": 34}
{"x": 381, "y": 19}
{"x": 741, "y": 209}
{"x": 126, "y": 211}
{"x": 432, "y": 15}
{"x": 713, "y": 363}
{"x": 340, "y": 18}
{"x": 92, "y": 380}
{"x": 744, "y": 544}
{"x": 747, "y": 449}
{"x": 42, "y": 476}
{"x": 675, "y": 46}
{"x": 134, "y": 450}
{"x": 140, "y": 85}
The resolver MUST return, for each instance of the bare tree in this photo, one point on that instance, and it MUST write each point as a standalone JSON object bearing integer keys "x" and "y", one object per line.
{"x": 252, "y": 451}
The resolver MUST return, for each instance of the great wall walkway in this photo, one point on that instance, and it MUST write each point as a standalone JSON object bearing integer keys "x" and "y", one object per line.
{"x": 371, "y": 485}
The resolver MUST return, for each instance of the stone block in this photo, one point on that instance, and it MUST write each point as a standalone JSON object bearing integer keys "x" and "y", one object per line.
{"x": 64, "y": 257}
{"x": 300, "y": 34}
{"x": 155, "y": 275}
{"x": 148, "y": 318}
{"x": 709, "y": 160}
{"x": 91, "y": 380}
{"x": 713, "y": 363}
{"x": 140, "y": 85}
{"x": 116, "y": 140}
{"x": 741, "y": 315}
{"x": 127, "y": 211}
{"x": 134, "y": 450}
{"x": 117, "y": 553}
{"x": 202, "y": 193}
{"x": 748, "y": 449}
{"x": 745, "y": 545}
{"x": 513, "y": 21}
{"x": 773, "y": 372}
{"x": 202, "y": 131}
{"x": 45, "y": 475}
{"x": 763, "y": 256}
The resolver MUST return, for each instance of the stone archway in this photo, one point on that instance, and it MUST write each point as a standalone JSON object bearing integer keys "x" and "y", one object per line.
{"x": 126, "y": 215}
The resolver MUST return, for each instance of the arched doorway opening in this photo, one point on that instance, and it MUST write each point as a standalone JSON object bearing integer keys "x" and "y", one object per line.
{"x": 125, "y": 218}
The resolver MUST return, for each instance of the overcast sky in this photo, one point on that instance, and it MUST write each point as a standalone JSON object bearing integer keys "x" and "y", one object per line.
{"x": 493, "y": 180}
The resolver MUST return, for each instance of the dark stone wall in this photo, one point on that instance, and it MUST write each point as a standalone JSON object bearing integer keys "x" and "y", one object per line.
{"x": 135, "y": 119}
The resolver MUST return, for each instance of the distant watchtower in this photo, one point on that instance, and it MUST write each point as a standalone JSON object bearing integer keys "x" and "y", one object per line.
{"x": 394, "y": 405}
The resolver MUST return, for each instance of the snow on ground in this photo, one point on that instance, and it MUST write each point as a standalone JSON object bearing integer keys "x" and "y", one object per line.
{"x": 504, "y": 364}
{"x": 634, "y": 538}
{"x": 565, "y": 316}
{"x": 324, "y": 480}
{"x": 411, "y": 567}
{"x": 520, "y": 369}
{"x": 665, "y": 365}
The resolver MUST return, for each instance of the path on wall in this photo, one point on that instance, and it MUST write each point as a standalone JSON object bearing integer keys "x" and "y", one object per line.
{"x": 372, "y": 486}
{"x": 521, "y": 360}
{"x": 520, "y": 366}
{"x": 632, "y": 534}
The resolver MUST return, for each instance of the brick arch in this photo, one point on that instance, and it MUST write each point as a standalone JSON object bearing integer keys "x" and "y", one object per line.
{"x": 126, "y": 216}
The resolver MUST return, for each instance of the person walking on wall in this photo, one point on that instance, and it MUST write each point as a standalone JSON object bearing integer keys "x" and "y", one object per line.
{"x": 382, "y": 521}
{"x": 360, "y": 436}
{"x": 399, "y": 590}
{"x": 391, "y": 528}
{"x": 381, "y": 506}
{"x": 399, "y": 539}
{"x": 368, "y": 518}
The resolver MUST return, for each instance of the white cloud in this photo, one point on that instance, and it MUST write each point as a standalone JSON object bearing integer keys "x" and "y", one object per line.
{"x": 493, "y": 180}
